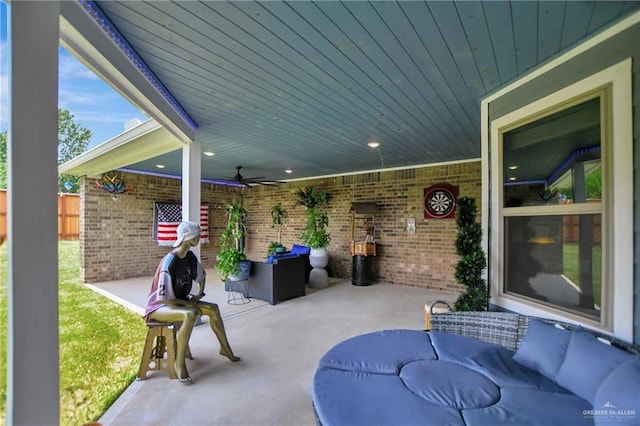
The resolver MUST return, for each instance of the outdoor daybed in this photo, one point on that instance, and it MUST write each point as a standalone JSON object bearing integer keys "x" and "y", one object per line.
{"x": 479, "y": 368}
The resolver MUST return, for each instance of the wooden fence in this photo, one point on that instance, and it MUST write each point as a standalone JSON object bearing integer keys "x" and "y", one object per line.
{"x": 68, "y": 216}
{"x": 571, "y": 229}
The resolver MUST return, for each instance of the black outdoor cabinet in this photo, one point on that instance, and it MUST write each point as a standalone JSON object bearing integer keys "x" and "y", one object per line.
{"x": 278, "y": 281}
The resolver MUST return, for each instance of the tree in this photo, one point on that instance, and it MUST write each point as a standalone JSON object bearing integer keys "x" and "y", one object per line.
{"x": 73, "y": 140}
{"x": 315, "y": 232}
{"x": 472, "y": 258}
{"x": 232, "y": 241}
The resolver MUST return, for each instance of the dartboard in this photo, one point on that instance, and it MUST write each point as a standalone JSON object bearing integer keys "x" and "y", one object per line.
{"x": 439, "y": 202}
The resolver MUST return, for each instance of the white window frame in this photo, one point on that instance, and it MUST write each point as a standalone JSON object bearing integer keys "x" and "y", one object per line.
{"x": 617, "y": 203}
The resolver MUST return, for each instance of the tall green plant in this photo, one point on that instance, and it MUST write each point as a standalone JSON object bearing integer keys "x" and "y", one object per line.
{"x": 278, "y": 218}
{"x": 315, "y": 234}
{"x": 472, "y": 258}
{"x": 232, "y": 240}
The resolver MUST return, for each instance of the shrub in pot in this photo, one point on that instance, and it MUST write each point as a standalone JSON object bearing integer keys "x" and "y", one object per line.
{"x": 278, "y": 218}
{"x": 472, "y": 258}
{"x": 275, "y": 247}
{"x": 231, "y": 258}
{"x": 315, "y": 234}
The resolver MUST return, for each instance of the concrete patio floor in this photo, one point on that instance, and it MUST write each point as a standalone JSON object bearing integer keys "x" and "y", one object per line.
{"x": 280, "y": 346}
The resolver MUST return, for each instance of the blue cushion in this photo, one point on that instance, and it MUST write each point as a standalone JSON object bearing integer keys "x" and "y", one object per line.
{"x": 354, "y": 398}
{"x": 618, "y": 397}
{"x": 276, "y": 256}
{"x": 543, "y": 348}
{"x": 449, "y": 385}
{"x": 587, "y": 363}
{"x": 494, "y": 361}
{"x": 298, "y": 249}
{"x": 531, "y": 407}
{"x": 383, "y": 352}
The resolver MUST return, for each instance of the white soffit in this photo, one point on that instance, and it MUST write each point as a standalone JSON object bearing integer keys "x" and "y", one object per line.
{"x": 144, "y": 141}
{"x": 82, "y": 36}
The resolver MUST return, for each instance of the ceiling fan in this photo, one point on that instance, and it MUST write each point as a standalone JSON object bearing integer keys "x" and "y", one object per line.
{"x": 256, "y": 180}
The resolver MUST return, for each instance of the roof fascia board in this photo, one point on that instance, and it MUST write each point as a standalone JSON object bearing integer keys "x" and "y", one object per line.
{"x": 82, "y": 35}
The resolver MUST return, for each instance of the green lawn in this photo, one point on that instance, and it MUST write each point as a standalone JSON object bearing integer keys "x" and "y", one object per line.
{"x": 100, "y": 343}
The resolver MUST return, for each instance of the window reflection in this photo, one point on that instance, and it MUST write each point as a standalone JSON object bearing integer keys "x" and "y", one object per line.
{"x": 556, "y": 260}
{"x": 556, "y": 159}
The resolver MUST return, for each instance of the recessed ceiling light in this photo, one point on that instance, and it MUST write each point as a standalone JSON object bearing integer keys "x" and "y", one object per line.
{"x": 288, "y": 171}
{"x": 513, "y": 167}
{"x": 512, "y": 178}
{"x": 160, "y": 166}
{"x": 373, "y": 144}
{"x": 209, "y": 153}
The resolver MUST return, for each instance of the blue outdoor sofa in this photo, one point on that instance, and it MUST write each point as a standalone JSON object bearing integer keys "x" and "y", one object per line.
{"x": 479, "y": 368}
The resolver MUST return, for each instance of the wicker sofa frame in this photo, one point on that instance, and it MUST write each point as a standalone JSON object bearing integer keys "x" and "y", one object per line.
{"x": 504, "y": 328}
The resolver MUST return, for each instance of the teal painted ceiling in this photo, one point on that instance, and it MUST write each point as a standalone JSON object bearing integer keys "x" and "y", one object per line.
{"x": 306, "y": 85}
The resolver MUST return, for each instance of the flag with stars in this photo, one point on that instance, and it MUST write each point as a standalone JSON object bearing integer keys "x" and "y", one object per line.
{"x": 167, "y": 217}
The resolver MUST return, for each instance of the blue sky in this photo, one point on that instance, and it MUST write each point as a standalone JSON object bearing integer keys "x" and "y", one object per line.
{"x": 92, "y": 102}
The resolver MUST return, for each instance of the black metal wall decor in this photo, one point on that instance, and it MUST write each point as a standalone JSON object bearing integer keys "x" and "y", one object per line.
{"x": 440, "y": 201}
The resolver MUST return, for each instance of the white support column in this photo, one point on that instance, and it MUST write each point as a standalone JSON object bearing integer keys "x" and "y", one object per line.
{"x": 33, "y": 377}
{"x": 191, "y": 176}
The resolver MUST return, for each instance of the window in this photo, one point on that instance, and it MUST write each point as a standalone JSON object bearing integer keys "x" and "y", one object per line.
{"x": 552, "y": 196}
{"x": 559, "y": 211}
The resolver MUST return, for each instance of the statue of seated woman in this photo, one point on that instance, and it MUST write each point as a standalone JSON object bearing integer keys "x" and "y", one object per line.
{"x": 170, "y": 299}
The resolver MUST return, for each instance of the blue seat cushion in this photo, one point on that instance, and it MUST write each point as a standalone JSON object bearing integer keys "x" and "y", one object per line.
{"x": 530, "y": 407}
{"x": 449, "y": 385}
{"x": 355, "y": 398}
{"x": 617, "y": 400}
{"x": 543, "y": 348}
{"x": 587, "y": 363}
{"x": 298, "y": 249}
{"x": 383, "y": 352}
{"x": 494, "y": 361}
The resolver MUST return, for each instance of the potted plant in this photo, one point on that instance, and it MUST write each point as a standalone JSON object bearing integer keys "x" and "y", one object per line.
{"x": 278, "y": 218}
{"x": 275, "y": 247}
{"x": 232, "y": 262}
{"x": 315, "y": 234}
{"x": 472, "y": 258}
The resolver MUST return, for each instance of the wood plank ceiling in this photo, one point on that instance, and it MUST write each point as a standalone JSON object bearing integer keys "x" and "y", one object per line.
{"x": 306, "y": 85}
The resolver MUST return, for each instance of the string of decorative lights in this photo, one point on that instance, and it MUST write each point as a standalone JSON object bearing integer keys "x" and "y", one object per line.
{"x": 107, "y": 26}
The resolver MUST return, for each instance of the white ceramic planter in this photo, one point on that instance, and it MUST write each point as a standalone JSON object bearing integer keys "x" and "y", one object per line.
{"x": 319, "y": 278}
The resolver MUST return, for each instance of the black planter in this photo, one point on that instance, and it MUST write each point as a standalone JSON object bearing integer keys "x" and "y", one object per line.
{"x": 362, "y": 270}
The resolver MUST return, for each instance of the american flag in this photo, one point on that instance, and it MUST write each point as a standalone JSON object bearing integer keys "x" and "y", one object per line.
{"x": 167, "y": 217}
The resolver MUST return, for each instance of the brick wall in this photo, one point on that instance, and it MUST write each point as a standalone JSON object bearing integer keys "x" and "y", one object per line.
{"x": 116, "y": 237}
{"x": 120, "y": 245}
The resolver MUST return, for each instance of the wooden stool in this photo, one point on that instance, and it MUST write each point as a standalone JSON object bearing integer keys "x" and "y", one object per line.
{"x": 160, "y": 349}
